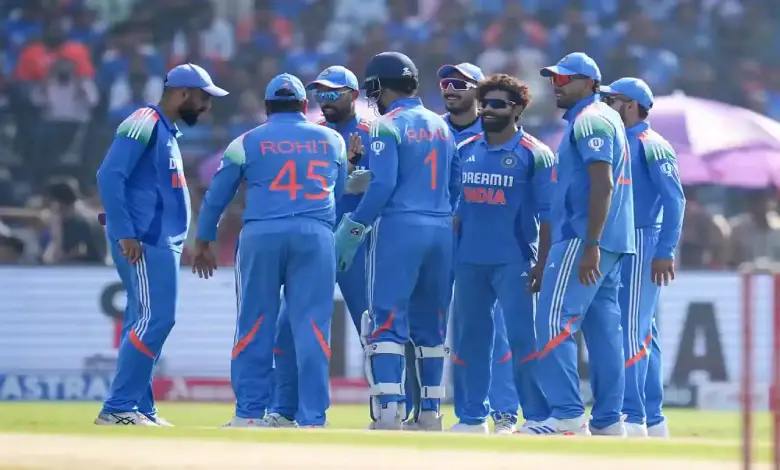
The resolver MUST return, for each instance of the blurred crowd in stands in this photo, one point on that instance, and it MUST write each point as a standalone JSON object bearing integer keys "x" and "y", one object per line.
{"x": 71, "y": 70}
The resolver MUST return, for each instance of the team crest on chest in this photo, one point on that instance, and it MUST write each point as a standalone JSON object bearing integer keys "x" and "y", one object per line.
{"x": 508, "y": 160}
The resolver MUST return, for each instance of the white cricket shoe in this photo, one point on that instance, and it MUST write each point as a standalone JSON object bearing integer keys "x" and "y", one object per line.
{"x": 237, "y": 422}
{"x": 428, "y": 421}
{"x": 553, "y": 426}
{"x": 275, "y": 420}
{"x": 529, "y": 423}
{"x": 636, "y": 430}
{"x": 613, "y": 430}
{"x": 159, "y": 420}
{"x": 464, "y": 428}
{"x": 130, "y": 418}
{"x": 504, "y": 423}
{"x": 660, "y": 430}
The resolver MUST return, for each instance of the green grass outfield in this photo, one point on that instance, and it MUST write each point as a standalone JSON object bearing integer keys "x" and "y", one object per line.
{"x": 707, "y": 435}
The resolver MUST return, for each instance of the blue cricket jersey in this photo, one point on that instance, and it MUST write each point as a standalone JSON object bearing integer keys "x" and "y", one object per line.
{"x": 659, "y": 200}
{"x": 413, "y": 165}
{"x": 461, "y": 134}
{"x": 349, "y": 202}
{"x": 506, "y": 194}
{"x": 292, "y": 168}
{"x": 141, "y": 182}
{"x": 594, "y": 133}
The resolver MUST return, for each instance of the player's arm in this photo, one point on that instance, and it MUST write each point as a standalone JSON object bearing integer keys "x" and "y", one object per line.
{"x": 384, "y": 140}
{"x": 129, "y": 145}
{"x": 541, "y": 187}
{"x": 456, "y": 177}
{"x": 341, "y": 160}
{"x": 222, "y": 190}
{"x": 665, "y": 175}
{"x": 594, "y": 137}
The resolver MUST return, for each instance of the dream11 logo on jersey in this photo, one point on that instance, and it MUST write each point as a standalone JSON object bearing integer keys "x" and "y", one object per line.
{"x": 177, "y": 172}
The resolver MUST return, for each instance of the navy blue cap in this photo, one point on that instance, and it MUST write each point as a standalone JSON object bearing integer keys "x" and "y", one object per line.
{"x": 576, "y": 63}
{"x": 468, "y": 70}
{"x": 390, "y": 65}
{"x": 335, "y": 77}
{"x": 285, "y": 81}
{"x": 192, "y": 76}
{"x": 633, "y": 88}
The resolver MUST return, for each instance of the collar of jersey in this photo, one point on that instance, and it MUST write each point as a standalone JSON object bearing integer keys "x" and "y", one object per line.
{"x": 638, "y": 128}
{"x": 409, "y": 102}
{"x": 172, "y": 127}
{"x": 287, "y": 117}
{"x": 507, "y": 146}
{"x": 572, "y": 112}
{"x": 474, "y": 129}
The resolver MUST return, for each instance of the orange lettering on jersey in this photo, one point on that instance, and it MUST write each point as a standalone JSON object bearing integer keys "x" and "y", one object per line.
{"x": 305, "y": 146}
{"x": 267, "y": 146}
{"x": 426, "y": 135}
{"x": 178, "y": 181}
{"x": 484, "y": 195}
{"x": 323, "y": 144}
{"x": 285, "y": 146}
{"x": 554, "y": 175}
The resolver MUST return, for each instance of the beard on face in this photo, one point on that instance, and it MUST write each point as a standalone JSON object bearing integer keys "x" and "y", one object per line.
{"x": 189, "y": 113}
{"x": 496, "y": 124}
{"x": 333, "y": 113}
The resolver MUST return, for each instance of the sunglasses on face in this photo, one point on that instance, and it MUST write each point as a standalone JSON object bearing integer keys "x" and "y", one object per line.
{"x": 321, "y": 96}
{"x": 495, "y": 103}
{"x": 563, "y": 80}
{"x": 612, "y": 99}
{"x": 455, "y": 84}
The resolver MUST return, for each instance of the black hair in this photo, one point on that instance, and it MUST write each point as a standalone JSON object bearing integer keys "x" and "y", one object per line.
{"x": 643, "y": 112}
{"x": 406, "y": 86}
{"x": 284, "y": 106}
{"x": 64, "y": 190}
{"x": 517, "y": 91}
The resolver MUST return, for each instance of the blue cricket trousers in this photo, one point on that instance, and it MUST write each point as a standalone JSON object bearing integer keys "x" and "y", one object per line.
{"x": 409, "y": 287}
{"x": 502, "y": 397}
{"x": 352, "y": 284}
{"x": 654, "y": 387}
{"x": 152, "y": 289}
{"x": 477, "y": 287}
{"x": 299, "y": 255}
{"x": 638, "y": 303}
{"x": 565, "y": 306}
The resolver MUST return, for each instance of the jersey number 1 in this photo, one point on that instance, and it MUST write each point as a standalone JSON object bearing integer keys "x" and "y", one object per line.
{"x": 431, "y": 160}
{"x": 289, "y": 172}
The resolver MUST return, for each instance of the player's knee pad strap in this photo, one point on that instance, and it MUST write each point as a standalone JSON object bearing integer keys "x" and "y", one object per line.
{"x": 381, "y": 347}
{"x": 430, "y": 352}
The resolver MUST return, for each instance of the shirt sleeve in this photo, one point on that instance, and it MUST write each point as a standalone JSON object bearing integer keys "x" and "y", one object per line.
{"x": 129, "y": 145}
{"x": 456, "y": 179}
{"x": 384, "y": 140}
{"x": 665, "y": 175}
{"x": 594, "y": 137}
{"x": 543, "y": 161}
{"x": 341, "y": 161}
{"x": 222, "y": 190}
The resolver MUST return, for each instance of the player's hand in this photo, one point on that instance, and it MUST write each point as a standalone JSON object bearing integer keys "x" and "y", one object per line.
{"x": 355, "y": 148}
{"x": 588, "y": 270}
{"x": 131, "y": 249}
{"x": 535, "y": 278}
{"x": 662, "y": 271}
{"x": 203, "y": 261}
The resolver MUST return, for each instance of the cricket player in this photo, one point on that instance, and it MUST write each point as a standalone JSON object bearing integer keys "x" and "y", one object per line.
{"x": 592, "y": 231}
{"x": 294, "y": 171}
{"x": 408, "y": 207}
{"x": 336, "y": 89}
{"x": 147, "y": 213}
{"x": 458, "y": 88}
{"x": 507, "y": 178}
{"x": 659, "y": 205}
